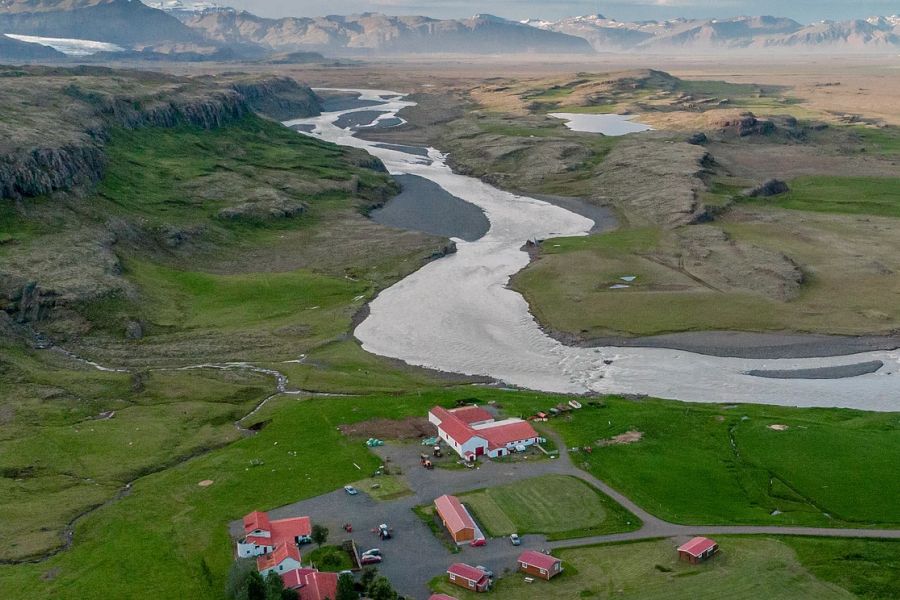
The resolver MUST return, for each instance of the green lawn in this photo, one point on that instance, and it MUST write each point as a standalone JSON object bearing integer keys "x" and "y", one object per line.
{"x": 556, "y": 505}
{"x": 329, "y": 558}
{"x": 745, "y": 568}
{"x": 713, "y": 464}
{"x": 851, "y": 195}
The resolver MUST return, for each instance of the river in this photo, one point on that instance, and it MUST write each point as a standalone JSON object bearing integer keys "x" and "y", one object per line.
{"x": 457, "y": 314}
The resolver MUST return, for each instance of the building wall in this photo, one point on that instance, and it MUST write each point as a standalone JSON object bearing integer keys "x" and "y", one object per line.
{"x": 288, "y": 564}
{"x": 248, "y": 550}
{"x": 496, "y": 452}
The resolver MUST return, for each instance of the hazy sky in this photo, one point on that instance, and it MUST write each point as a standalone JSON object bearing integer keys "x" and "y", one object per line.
{"x": 802, "y": 10}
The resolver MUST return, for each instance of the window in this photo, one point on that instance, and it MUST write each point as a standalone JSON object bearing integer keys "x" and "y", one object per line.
{"x": 543, "y": 571}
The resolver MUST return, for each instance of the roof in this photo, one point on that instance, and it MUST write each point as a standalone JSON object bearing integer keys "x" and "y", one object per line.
{"x": 697, "y": 546}
{"x": 452, "y": 425}
{"x": 441, "y": 597}
{"x": 256, "y": 520}
{"x": 296, "y": 578}
{"x": 291, "y": 528}
{"x": 259, "y": 540}
{"x": 466, "y": 572}
{"x": 277, "y": 556}
{"x": 538, "y": 559}
{"x": 513, "y": 431}
{"x": 319, "y": 586}
{"x": 471, "y": 414}
{"x": 452, "y": 512}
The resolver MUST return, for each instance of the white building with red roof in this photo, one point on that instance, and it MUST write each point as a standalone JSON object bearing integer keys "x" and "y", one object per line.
{"x": 263, "y": 536}
{"x": 285, "y": 558}
{"x": 472, "y": 431}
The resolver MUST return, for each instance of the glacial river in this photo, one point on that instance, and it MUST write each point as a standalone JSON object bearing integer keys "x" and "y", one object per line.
{"x": 456, "y": 314}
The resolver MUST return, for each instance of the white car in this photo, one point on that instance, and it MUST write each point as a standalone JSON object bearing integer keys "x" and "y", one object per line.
{"x": 351, "y": 490}
{"x": 514, "y": 539}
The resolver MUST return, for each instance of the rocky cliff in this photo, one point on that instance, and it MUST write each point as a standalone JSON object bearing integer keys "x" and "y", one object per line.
{"x": 40, "y": 165}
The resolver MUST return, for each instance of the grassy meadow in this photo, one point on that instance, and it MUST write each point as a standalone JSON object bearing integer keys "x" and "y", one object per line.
{"x": 556, "y": 505}
{"x": 745, "y": 568}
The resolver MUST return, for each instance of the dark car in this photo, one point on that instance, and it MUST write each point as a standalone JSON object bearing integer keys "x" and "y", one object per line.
{"x": 369, "y": 559}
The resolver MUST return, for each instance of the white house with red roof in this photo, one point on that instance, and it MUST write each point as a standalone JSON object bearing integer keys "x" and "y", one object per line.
{"x": 311, "y": 584}
{"x": 263, "y": 536}
{"x": 285, "y": 558}
{"x": 472, "y": 431}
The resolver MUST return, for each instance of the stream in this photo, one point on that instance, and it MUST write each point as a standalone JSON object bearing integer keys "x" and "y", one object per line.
{"x": 457, "y": 314}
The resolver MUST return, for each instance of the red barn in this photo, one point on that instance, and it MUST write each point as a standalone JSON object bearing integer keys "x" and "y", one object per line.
{"x": 539, "y": 564}
{"x": 697, "y": 550}
{"x": 467, "y": 576}
{"x": 455, "y": 518}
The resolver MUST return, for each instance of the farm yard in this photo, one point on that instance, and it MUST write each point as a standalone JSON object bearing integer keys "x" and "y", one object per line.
{"x": 556, "y": 505}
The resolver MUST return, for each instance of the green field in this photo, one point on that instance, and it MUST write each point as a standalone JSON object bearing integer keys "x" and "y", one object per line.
{"x": 878, "y": 196}
{"x": 745, "y": 568}
{"x": 556, "y": 505}
{"x": 713, "y": 464}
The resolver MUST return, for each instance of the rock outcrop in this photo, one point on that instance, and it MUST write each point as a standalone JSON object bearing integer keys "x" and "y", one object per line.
{"x": 35, "y": 169}
{"x": 772, "y": 187}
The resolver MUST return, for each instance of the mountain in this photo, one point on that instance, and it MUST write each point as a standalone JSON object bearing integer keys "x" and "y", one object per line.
{"x": 122, "y": 22}
{"x": 609, "y": 35}
{"x": 16, "y": 50}
{"x": 374, "y": 32}
{"x": 875, "y": 32}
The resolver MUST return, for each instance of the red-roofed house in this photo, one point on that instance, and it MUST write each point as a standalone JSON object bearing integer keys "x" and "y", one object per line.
{"x": 539, "y": 564}
{"x": 472, "y": 432}
{"x": 311, "y": 584}
{"x": 468, "y": 577}
{"x": 262, "y": 536}
{"x": 697, "y": 550}
{"x": 284, "y": 558}
{"x": 455, "y": 518}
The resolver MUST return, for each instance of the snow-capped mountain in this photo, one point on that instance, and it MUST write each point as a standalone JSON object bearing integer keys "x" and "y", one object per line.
{"x": 605, "y": 35}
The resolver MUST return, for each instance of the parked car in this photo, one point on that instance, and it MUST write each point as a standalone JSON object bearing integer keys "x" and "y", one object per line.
{"x": 372, "y": 552}
{"x": 514, "y": 538}
{"x": 486, "y": 571}
{"x": 351, "y": 490}
{"x": 369, "y": 559}
{"x": 478, "y": 542}
{"x": 304, "y": 539}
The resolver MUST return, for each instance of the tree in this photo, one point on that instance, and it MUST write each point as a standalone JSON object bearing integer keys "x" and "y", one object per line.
{"x": 274, "y": 586}
{"x": 256, "y": 587}
{"x": 319, "y": 534}
{"x": 346, "y": 590}
{"x": 367, "y": 577}
{"x": 236, "y": 588}
{"x": 381, "y": 589}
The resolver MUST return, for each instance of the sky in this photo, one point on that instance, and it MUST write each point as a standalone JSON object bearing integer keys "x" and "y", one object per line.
{"x": 624, "y": 10}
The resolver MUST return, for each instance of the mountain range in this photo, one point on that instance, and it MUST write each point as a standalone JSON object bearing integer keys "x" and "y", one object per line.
{"x": 738, "y": 33}
{"x": 197, "y": 30}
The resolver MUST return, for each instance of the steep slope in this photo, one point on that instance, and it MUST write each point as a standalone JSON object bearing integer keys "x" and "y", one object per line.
{"x": 382, "y": 33}
{"x": 117, "y": 21}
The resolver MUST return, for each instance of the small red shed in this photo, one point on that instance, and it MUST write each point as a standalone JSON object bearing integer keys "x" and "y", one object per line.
{"x": 697, "y": 550}
{"x": 539, "y": 564}
{"x": 467, "y": 576}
